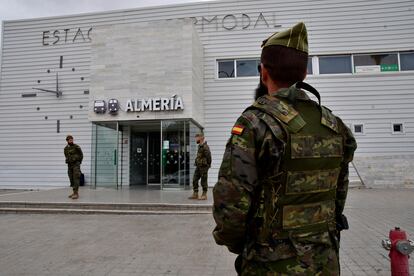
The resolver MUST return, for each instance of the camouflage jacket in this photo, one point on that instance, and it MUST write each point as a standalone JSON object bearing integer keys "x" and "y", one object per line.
{"x": 251, "y": 153}
{"x": 203, "y": 159}
{"x": 73, "y": 154}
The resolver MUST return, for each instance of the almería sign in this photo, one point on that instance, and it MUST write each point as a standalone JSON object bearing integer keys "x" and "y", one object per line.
{"x": 155, "y": 104}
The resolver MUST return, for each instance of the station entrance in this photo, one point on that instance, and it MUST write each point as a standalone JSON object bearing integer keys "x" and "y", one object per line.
{"x": 158, "y": 153}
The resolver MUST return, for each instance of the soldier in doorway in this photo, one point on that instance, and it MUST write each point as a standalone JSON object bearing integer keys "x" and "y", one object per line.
{"x": 283, "y": 181}
{"x": 73, "y": 156}
{"x": 202, "y": 163}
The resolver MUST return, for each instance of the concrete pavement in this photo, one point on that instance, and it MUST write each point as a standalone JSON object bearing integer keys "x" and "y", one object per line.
{"x": 104, "y": 195}
{"x": 179, "y": 245}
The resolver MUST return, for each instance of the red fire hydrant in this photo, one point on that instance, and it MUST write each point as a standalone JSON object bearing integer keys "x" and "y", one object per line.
{"x": 400, "y": 248}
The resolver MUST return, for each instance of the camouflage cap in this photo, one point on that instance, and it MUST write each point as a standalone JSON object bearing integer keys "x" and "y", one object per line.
{"x": 295, "y": 37}
{"x": 199, "y": 134}
{"x": 69, "y": 137}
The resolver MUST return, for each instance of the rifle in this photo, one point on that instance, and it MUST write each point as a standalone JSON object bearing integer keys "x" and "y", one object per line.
{"x": 341, "y": 224}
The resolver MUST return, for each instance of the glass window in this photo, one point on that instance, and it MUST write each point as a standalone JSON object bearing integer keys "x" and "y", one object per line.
{"x": 359, "y": 128}
{"x": 407, "y": 61}
{"x": 310, "y": 70}
{"x": 335, "y": 64}
{"x": 226, "y": 69}
{"x": 397, "y": 128}
{"x": 372, "y": 63}
{"x": 247, "y": 67}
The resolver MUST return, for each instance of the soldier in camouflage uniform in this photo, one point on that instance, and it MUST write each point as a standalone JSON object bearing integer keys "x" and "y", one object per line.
{"x": 73, "y": 156}
{"x": 202, "y": 163}
{"x": 283, "y": 181}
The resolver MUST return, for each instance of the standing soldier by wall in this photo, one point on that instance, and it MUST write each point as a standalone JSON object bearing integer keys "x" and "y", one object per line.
{"x": 202, "y": 163}
{"x": 284, "y": 177}
{"x": 74, "y": 156}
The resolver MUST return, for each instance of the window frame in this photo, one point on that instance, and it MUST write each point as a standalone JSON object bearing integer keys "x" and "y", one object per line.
{"x": 235, "y": 67}
{"x": 315, "y": 60}
{"x": 399, "y": 61}
{"x": 310, "y": 58}
{"x": 245, "y": 77}
{"x": 358, "y": 133}
{"x": 335, "y": 74}
{"x": 217, "y": 68}
{"x": 371, "y": 54}
{"x": 402, "y": 132}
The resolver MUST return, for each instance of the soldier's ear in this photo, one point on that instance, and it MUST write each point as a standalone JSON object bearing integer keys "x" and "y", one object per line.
{"x": 264, "y": 74}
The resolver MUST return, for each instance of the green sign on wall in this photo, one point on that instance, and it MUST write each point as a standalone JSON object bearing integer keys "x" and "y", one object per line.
{"x": 389, "y": 67}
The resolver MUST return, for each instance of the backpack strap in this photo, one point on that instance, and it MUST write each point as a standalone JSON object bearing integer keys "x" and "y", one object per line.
{"x": 309, "y": 88}
{"x": 329, "y": 120}
{"x": 281, "y": 111}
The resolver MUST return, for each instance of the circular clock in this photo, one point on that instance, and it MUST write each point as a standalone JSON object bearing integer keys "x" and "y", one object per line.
{"x": 56, "y": 89}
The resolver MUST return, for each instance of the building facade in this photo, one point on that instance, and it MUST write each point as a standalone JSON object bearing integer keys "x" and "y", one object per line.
{"x": 134, "y": 87}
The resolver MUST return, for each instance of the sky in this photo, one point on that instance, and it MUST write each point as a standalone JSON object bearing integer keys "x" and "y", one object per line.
{"x": 23, "y": 9}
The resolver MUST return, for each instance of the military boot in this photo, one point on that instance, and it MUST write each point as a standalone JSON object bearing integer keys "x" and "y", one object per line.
{"x": 75, "y": 195}
{"x": 71, "y": 195}
{"x": 194, "y": 196}
{"x": 203, "y": 196}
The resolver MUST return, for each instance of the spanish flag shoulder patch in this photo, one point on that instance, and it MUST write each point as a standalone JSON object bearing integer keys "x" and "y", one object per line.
{"x": 237, "y": 130}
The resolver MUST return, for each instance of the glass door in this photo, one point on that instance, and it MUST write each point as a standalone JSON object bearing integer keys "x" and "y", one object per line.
{"x": 105, "y": 137}
{"x": 144, "y": 164}
{"x": 154, "y": 158}
{"x": 173, "y": 145}
{"x": 138, "y": 159}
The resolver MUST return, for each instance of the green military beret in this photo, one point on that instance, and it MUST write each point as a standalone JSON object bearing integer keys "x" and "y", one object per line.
{"x": 295, "y": 37}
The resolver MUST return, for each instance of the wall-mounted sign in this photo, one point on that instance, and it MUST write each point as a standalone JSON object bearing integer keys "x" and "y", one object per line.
{"x": 241, "y": 21}
{"x": 113, "y": 106}
{"x": 63, "y": 36}
{"x": 368, "y": 69}
{"x": 99, "y": 106}
{"x": 229, "y": 22}
{"x": 376, "y": 68}
{"x": 155, "y": 104}
{"x": 389, "y": 67}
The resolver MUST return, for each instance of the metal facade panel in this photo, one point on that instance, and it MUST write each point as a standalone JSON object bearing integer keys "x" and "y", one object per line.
{"x": 31, "y": 150}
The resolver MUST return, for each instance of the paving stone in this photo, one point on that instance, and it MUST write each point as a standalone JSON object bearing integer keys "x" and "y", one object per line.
{"x": 44, "y": 244}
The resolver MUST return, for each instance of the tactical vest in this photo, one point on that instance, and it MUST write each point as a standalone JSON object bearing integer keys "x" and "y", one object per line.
{"x": 300, "y": 199}
{"x": 201, "y": 158}
{"x": 72, "y": 153}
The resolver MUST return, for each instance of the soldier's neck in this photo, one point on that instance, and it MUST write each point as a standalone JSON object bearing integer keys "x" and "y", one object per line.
{"x": 272, "y": 87}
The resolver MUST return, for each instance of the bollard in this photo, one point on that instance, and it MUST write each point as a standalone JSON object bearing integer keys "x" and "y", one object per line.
{"x": 400, "y": 248}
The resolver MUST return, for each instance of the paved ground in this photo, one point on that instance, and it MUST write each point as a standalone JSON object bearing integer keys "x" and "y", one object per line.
{"x": 10, "y": 191}
{"x": 105, "y": 195}
{"x": 178, "y": 245}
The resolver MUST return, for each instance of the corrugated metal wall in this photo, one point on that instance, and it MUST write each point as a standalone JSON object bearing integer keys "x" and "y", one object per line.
{"x": 31, "y": 150}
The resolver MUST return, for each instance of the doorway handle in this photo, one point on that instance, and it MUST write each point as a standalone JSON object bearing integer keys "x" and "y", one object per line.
{"x": 115, "y": 157}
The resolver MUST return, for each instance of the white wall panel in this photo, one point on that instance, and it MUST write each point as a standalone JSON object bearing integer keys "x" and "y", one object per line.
{"x": 31, "y": 151}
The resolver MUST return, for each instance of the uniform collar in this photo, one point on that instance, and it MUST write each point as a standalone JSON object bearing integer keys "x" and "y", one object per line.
{"x": 291, "y": 93}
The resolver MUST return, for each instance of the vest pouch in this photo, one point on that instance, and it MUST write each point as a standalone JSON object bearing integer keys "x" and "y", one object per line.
{"x": 311, "y": 181}
{"x": 313, "y": 215}
{"x": 313, "y": 146}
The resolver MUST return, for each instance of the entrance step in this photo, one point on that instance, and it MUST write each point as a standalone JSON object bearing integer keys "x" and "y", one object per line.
{"x": 356, "y": 184}
{"x": 104, "y": 208}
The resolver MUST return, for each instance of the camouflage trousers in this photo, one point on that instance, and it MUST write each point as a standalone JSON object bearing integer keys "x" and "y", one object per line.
{"x": 74, "y": 175}
{"x": 323, "y": 261}
{"x": 200, "y": 173}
